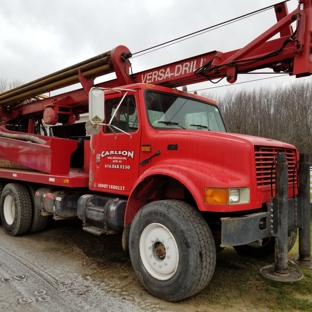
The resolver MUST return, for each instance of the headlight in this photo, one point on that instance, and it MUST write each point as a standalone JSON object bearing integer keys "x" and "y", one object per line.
{"x": 217, "y": 196}
{"x": 234, "y": 195}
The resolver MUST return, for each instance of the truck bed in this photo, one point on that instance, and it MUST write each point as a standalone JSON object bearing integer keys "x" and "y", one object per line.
{"x": 41, "y": 153}
{"x": 44, "y": 159}
{"x": 74, "y": 179}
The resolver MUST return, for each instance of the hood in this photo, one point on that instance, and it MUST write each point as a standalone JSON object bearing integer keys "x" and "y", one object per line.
{"x": 218, "y": 155}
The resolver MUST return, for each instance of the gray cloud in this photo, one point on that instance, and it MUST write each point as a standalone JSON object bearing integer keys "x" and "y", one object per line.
{"x": 39, "y": 37}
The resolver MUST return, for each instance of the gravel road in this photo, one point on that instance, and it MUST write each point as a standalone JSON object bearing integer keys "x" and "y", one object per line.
{"x": 67, "y": 269}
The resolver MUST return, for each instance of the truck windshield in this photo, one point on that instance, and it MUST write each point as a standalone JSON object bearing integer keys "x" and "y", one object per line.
{"x": 172, "y": 111}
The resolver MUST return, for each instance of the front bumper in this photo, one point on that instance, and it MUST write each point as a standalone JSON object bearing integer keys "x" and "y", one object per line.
{"x": 248, "y": 228}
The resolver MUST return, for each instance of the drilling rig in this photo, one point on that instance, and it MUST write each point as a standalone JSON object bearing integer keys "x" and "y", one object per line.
{"x": 157, "y": 164}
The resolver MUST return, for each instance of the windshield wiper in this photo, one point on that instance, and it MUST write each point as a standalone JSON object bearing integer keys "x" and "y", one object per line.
{"x": 200, "y": 126}
{"x": 170, "y": 123}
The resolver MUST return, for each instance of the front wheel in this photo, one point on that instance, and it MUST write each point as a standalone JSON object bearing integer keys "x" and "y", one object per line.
{"x": 172, "y": 249}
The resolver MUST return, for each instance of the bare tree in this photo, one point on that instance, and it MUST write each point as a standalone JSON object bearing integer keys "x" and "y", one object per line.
{"x": 8, "y": 85}
{"x": 283, "y": 113}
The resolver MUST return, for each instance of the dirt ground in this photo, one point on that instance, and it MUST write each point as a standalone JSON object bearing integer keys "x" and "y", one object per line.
{"x": 67, "y": 269}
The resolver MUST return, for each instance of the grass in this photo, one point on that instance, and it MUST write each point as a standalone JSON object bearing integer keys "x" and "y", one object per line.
{"x": 238, "y": 286}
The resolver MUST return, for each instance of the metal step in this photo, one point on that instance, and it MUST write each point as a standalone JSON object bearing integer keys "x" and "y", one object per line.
{"x": 94, "y": 230}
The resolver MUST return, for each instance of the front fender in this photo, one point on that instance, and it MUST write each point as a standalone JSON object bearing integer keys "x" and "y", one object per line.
{"x": 195, "y": 176}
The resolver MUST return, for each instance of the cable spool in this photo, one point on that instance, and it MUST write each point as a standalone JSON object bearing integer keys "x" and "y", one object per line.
{"x": 52, "y": 115}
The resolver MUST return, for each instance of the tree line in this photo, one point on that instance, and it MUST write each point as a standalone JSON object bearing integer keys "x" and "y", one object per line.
{"x": 283, "y": 113}
{"x": 5, "y": 84}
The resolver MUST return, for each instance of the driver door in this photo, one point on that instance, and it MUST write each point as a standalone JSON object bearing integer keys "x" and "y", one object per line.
{"x": 117, "y": 148}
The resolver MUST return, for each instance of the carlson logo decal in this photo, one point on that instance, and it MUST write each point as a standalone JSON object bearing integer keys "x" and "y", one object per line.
{"x": 129, "y": 154}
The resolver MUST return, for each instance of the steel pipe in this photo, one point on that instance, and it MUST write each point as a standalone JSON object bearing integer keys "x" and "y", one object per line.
{"x": 75, "y": 66}
{"x": 90, "y": 68}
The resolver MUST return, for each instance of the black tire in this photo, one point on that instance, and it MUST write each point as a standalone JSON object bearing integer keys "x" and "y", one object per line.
{"x": 38, "y": 222}
{"x": 174, "y": 236}
{"x": 267, "y": 248}
{"x": 15, "y": 209}
{"x": 1, "y": 189}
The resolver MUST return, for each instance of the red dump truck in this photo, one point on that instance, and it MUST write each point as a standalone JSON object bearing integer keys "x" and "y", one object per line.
{"x": 157, "y": 164}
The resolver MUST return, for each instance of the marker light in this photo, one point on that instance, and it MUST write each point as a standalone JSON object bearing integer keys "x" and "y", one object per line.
{"x": 146, "y": 148}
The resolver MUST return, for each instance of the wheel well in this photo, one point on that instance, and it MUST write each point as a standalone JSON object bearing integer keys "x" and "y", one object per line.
{"x": 154, "y": 188}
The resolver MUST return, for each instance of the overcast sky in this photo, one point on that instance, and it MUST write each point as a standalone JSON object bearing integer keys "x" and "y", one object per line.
{"x": 39, "y": 37}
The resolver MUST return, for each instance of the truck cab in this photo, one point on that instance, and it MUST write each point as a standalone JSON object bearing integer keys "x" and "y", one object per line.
{"x": 176, "y": 143}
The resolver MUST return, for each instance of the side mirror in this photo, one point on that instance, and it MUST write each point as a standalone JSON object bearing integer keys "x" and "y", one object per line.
{"x": 96, "y": 106}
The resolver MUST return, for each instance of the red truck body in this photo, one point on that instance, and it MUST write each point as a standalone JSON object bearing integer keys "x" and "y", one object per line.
{"x": 160, "y": 166}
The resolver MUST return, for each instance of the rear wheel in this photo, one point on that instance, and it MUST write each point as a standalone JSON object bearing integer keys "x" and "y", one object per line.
{"x": 38, "y": 222}
{"x": 266, "y": 247}
{"x": 1, "y": 189}
{"x": 15, "y": 209}
{"x": 172, "y": 249}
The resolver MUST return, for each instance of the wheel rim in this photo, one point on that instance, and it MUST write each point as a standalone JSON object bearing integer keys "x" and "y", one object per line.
{"x": 159, "y": 251}
{"x": 9, "y": 209}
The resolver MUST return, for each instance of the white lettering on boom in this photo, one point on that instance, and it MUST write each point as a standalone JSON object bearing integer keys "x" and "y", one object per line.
{"x": 165, "y": 73}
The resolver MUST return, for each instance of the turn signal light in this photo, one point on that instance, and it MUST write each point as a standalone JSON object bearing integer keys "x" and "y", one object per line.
{"x": 216, "y": 196}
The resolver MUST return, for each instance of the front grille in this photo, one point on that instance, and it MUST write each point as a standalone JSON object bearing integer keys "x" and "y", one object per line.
{"x": 265, "y": 158}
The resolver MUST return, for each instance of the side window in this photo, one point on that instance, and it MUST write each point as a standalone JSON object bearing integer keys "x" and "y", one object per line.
{"x": 125, "y": 118}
